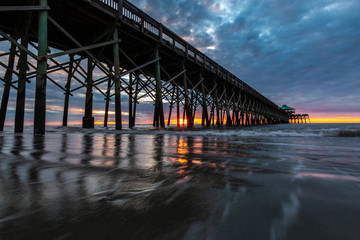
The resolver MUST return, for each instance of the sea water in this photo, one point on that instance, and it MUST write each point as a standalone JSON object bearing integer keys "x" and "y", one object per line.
{"x": 298, "y": 181}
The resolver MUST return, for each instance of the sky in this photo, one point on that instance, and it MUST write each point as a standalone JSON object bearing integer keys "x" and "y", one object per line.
{"x": 304, "y": 53}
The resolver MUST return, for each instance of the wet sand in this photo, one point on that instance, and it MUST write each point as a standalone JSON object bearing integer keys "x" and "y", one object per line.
{"x": 282, "y": 182}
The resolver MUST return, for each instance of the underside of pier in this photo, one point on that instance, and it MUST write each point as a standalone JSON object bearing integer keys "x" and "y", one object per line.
{"x": 112, "y": 47}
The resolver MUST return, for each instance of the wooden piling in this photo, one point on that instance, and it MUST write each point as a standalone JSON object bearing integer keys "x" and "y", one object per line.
{"x": 130, "y": 100}
{"x": 67, "y": 93}
{"x": 7, "y": 86}
{"x": 135, "y": 99}
{"x": 40, "y": 95}
{"x": 107, "y": 99}
{"x": 159, "y": 104}
{"x": 88, "y": 119}
{"x": 118, "y": 120}
{"x": 204, "y": 118}
{"x": 177, "y": 106}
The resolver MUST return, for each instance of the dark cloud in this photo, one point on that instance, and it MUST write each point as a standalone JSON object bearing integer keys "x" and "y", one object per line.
{"x": 297, "y": 52}
{"x": 302, "y": 53}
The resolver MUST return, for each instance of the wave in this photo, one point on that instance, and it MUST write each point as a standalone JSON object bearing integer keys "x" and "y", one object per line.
{"x": 283, "y": 130}
{"x": 349, "y": 133}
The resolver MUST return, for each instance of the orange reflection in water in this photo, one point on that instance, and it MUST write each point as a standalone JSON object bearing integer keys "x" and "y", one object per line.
{"x": 182, "y": 147}
{"x": 100, "y": 163}
{"x": 328, "y": 176}
{"x": 182, "y": 161}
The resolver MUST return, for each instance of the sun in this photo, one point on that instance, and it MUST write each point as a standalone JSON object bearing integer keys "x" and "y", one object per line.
{"x": 183, "y": 121}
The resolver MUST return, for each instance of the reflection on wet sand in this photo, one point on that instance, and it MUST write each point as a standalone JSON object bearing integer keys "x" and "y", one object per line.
{"x": 158, "y": 153}
{"x": 88, "y": 146}
{"x": 65, "y": 178}
{"x": 91, "y": 185}
{"x": 66, "y": 196}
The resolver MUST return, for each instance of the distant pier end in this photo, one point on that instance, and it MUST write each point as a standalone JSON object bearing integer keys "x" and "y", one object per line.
{"x": 295, "y": 118}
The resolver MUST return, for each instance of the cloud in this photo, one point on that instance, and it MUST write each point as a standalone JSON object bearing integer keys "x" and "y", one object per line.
{"x": 297, "y": 52}
{"x": 301, "y": 53}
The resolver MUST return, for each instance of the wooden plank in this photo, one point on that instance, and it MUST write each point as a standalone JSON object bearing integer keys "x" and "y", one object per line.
{"x": 80, "y": 49}
{"x": 23, "y": 8}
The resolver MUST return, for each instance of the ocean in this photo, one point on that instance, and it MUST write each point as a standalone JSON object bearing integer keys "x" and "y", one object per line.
{"x": 299, "y": 181}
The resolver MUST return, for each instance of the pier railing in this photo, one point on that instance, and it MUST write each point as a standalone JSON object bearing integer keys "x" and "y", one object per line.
{"x": 132, "y": 15}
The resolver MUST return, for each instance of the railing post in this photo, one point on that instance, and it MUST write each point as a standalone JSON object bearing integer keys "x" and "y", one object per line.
{"x": 120, "y": 9}
{"x": 160, "y": 32}
{"x": 40, "y": 96}
{"x": 142, "y": 25}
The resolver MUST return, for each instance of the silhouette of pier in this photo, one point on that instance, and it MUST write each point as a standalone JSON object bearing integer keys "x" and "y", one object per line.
{"x": 295, "y": 118}
{"x": 114, "y": 48}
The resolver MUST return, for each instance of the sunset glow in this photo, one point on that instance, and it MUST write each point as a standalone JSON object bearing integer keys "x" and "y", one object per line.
{"x": 335, "y": 120}
{"x": 173, "y": 122}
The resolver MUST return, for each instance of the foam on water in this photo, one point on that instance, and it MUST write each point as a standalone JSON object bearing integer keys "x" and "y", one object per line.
{"x": 284, "y": 130}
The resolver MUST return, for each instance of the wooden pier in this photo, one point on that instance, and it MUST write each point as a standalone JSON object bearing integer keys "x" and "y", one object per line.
{"x": 136, "y": 55}
{"x": 299, "y": 118}
{"x": 295, "y": 118}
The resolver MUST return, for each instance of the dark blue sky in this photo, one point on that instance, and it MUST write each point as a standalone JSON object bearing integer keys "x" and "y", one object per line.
{"x": 302, "y": 53}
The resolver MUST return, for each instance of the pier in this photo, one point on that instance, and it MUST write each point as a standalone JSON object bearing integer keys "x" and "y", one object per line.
{"x": 114, "y": 48}
{"x": 295, "y": 118}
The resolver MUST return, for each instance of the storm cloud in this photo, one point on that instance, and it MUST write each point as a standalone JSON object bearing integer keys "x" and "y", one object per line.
{"x": 302, "y": 53}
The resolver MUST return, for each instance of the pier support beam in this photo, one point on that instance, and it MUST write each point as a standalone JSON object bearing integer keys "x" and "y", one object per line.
{"x": 171, "y": 104}
{"x": 40, "y": 96}
{"x": 205, "y": 117}
{"x": 192, "y": 112}
{"x": 218, "y": 120}
{"x": 88, "y": 119}
{"x": 6, "y": 92}
{"x": 177, "y": 106}
{"x": 23, "y": 68}
{"x": 107, "y": 100}
{"x": 130, "y": 100}
{"x": 20, "y": 99}
{"x": 135, "y": 98}
{"x": 159, "y": 111}
{"x": 227, "y": 110}
{"x": 67, "y": 93}
{"x": 118, "y": 120}
{"x": 187, "y": 107}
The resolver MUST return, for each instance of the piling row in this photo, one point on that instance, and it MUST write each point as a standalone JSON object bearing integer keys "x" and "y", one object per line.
{"x": 136, "y": 56}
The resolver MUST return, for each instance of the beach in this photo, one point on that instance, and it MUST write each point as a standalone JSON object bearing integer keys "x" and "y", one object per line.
{"x": 289, "y": 181}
